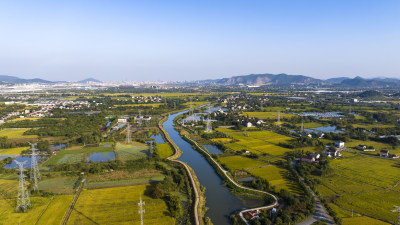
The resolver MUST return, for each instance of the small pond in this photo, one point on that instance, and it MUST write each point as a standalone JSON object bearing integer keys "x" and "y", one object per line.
{"x": 326, "y": 129}
{"x": 159, "y": 138}
{"x": 102, "y": 156}
{"x": 213, "y": 149}
{"x": 58, "y": 146}
{"x": 22, "y": 159}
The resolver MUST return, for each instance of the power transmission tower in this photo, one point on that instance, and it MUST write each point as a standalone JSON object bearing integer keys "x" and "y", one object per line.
{"x": 23, "y": 201}
{"x": 208, "y": 128}
{"x": 141, "y": 210}
{"x": 128, "y": 134}
{"x": 397, "y": 210}
{"x": 279, "y": 118}
{"x": 35, "y": 174}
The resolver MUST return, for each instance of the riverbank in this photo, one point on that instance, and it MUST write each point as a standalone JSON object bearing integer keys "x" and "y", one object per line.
{"x": 224, "y": 174}
{"x": 199, "y": 199}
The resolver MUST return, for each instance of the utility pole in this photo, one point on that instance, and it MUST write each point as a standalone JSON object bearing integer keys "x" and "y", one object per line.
{"x": 23, "y": 201}
{"x": 141, "y": 210}
{"x": 35, "y": 174}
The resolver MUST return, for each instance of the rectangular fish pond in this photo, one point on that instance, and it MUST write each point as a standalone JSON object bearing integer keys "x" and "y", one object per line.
{"x": 28, "y": 160}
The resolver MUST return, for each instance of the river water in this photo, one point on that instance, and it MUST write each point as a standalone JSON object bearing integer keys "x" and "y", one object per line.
{"x": 219, "y": 200}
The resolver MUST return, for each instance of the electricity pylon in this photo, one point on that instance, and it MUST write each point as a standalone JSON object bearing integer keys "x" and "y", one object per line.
{"x": 141, "y": 210}
{"x": 23, "y": 201}
{"x": 35, "y": 174}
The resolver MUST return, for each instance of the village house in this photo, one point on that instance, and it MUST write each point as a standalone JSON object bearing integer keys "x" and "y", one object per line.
{"x": 248, "y": 124}
{"x": 332, "y": 152}
{"x": 365, "y": 148}
{"x": 315, "y": 155}
{"x": 123, "y": 119}
{"x": 339, "y": 144}
{"x": 384, "y": 153}
{"x": 306, "y": 158}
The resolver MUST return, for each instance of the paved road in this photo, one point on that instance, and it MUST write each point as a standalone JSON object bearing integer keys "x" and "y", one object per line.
{"x": 320, "y": 212}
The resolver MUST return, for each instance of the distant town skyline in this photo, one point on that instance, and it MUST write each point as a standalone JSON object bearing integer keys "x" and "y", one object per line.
{"x": 181, "y": 40}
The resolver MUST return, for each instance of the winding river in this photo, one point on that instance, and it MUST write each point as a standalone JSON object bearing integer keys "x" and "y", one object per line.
{"x": 219, "y": 200}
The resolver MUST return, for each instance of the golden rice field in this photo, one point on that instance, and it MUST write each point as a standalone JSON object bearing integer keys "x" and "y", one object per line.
{"x": 370, "y": 126}
{"x": 258, "y": 142}
{"x": 240, "y": 162}
{"x": 268, "y": 115}
{"x": 362, "y": 183}
{"x": 278, "y": 177}
{"x": 118, "y": 205}
{"x": 221, "y": 140}
{"x": 6, "y": 185}
{"x": 310, "y": 125}
{"x": 362, "y": 220}
{"x": 22, "y": 119}
{"x": 16, "y": 133}
{"x": 12, "y": 151}
{"x": 8, "y": 214}
{"x": 164, "y": 150}
{"x": 56, "y": 210}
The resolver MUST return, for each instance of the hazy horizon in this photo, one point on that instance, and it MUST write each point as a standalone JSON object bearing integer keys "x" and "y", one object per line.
{"x": 180, "y": 40}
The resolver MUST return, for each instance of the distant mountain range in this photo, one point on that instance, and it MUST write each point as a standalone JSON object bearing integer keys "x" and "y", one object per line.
{"x": 273, "y": 80}
{"x": 15, "y": 80}
{"x": 4, "y": 79}
{"x": 282, "y": 80}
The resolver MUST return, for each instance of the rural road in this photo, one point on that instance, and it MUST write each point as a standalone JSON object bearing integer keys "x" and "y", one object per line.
{"x": 320, "y": 212}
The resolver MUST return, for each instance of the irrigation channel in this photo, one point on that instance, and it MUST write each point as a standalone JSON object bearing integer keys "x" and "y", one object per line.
{"x": 220, "y": 201}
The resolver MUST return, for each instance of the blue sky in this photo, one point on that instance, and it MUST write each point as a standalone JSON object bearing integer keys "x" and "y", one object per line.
{"x": 192, "y": 40}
